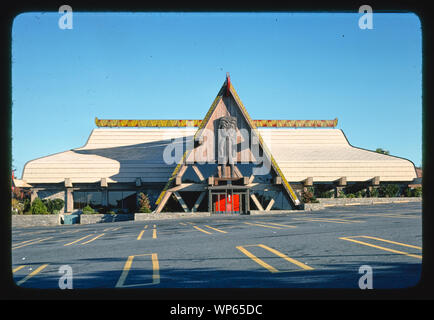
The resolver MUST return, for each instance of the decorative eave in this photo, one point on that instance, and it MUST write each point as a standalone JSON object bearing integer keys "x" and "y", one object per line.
{"x": 180, "y": 123}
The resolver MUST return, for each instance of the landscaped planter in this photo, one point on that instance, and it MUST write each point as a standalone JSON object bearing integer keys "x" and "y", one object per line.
{"x": 101, "y": 218}
{"x": 34, "y": 220}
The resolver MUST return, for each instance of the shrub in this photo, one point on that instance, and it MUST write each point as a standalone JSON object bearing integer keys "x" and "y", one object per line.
{"x": 38, "y": 207}
{"x": 144, "y": 204}
{"x": 326, "y": 194}
{"x": 88, "y": 210}
{"x": 389, "y": 190}
{"x": 54, "y": 206}
{"x": 417, "y": 192}
{"x": 16, "y": 206}
{"x": 374, "y": 193}
{"x": 308, "y": 196}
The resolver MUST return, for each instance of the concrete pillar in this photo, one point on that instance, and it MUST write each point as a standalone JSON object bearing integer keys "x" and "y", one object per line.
{"x": 337, "y": 190}
{"x": 69, "y": 206}
{"x": 33, "y": 195}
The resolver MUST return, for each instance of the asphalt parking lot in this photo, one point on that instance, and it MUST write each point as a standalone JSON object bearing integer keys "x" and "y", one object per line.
{"x": 319, "y": 249}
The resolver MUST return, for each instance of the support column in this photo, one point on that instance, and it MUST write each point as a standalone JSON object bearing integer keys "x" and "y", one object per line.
{"x": 33, "y": 195}
{"x": 341, "y": 183}
{"x": 69, "y": 206}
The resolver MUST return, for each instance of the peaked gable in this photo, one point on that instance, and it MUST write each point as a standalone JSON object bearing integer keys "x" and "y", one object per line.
{"x": 226, "y": 103}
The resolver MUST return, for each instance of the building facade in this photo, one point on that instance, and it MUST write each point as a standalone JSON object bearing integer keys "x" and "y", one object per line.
{"x": 224, "y": 163}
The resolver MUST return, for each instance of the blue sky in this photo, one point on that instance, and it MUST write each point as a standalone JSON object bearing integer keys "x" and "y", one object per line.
{"x": 171, "y": 65}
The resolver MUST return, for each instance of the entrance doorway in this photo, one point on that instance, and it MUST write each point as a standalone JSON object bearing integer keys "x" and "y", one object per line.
{"x": 224, "y": 200}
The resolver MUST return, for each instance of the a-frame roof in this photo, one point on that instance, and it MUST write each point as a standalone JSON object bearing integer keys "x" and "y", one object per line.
{"x": 226, "y": 90}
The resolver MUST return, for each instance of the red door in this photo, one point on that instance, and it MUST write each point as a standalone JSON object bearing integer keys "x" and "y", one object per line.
{"x": 227, "y": 204}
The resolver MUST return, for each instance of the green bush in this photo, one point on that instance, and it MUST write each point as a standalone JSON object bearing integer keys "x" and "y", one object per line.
{"x": 38, "y": 207}
{"x": 417, "y": 192}
{"x": 88, "y": 210}
{"x": 326, "y": 194}
{"x": 374, "y": 193}
{"x": 54, "y": 206}
{"x": 389, "y": 190}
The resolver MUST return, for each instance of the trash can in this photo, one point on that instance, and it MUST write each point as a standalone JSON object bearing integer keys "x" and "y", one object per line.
{"x": 70, "y": 219}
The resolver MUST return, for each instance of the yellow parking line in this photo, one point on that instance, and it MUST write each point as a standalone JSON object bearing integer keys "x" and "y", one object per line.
{"x": 256, "y": 259}
{"x": 140, "y": 235}
{"x": 116, "y": 228}
{"x": 321, "y": 220}
{"x": 156, "y": 269}
{"x": 30, "y": 243}
{"x": 36, "y": 271}
{"x": 382, "y": 248}
{"x": 389, "y": 241}
{"x": 127, "y": 267}
{"x": 17, "y": 244}
{"x": 18, "y": 268}
{"x": 262, "y": 225}
{"x": 216, "y": 229}
{"x": 282, "y": 255}
{"x": 94, "y": 238}
{"x": 197, "y": 228}
{"x": 125, "y": 271}
{"x": 278, "y": 224}
{"x": 68, "y": 244}
{"x": 154, "y": 233}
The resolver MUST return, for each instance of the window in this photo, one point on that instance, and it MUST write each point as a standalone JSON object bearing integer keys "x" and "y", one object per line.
{"x": 123, "y": 201}
{"x": 84, "y": 198}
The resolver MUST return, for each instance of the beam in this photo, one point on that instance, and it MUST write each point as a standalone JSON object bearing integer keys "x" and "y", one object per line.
{"x": 270, "y": 204}
{"x": 181, "y": 201}
{"x": 199, "y": 174}
{"x": 188, "y": 187}
{"x": 255, "y": 200}
{"x": 178, "y": 178}
{"x": 163, "y": 201}
{"x": 198, "y": 201}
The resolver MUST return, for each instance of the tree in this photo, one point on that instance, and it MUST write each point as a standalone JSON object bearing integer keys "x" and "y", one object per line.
{"x": 380, "y": 150}
{"x": 144, "y": 203}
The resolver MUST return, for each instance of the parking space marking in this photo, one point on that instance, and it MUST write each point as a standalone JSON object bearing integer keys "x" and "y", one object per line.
{"x": 140, "y": 235}
{"x": 274, "y": 251}
{"x": 18, "y": 268}
{"x": 200, "y": 229}
{"x": 216, "y": 229}
{"x": 35, "y": 272}
{"x": 262, "y": 225}
{"x": 127, "y": 267}
{"x": 278, "y": 224}
{"x": 256, "y": 259}
{"x": 93, "y": 239}
{"x": 326, "y": 220}
{"x": 154, "y": 232}
{"x": 380, "y": 247}
{"x": 30, "y": 243}
{"x": 22, "y": 242}
{"x": 75, "y": 241}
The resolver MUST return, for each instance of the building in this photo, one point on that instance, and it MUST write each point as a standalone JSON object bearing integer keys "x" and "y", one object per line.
{"x": 226, "y": 162}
